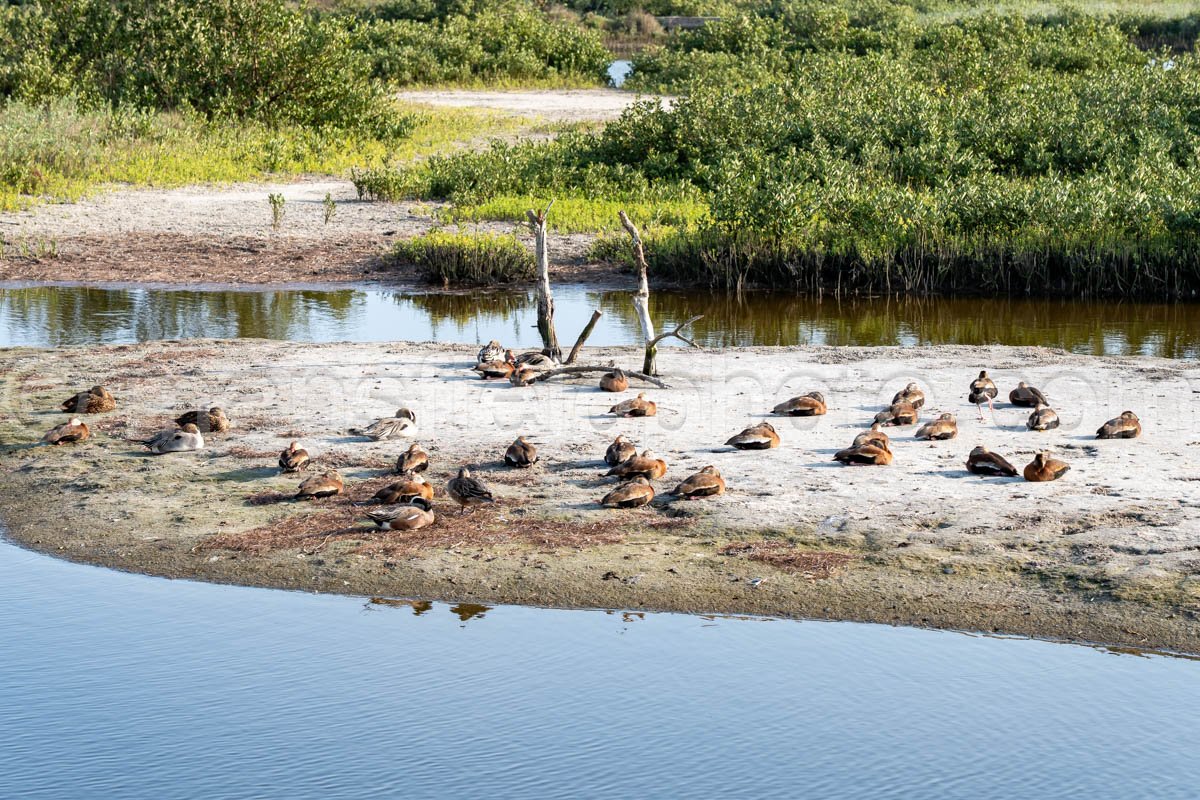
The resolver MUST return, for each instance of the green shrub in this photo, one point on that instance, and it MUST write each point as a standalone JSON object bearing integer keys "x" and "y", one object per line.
{"x": 466, "y": 259}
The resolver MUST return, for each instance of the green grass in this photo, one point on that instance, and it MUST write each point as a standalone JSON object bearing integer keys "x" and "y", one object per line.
{"x": 462, "y": 259}
{"x": 580, "y": 214}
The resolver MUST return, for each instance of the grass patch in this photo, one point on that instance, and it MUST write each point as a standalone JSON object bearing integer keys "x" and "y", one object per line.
{"x": 580, "y": 214}
{"x": 461, "y": 259}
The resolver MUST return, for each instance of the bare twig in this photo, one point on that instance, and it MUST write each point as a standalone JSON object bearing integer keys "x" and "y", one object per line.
{"x": 676, "y": 333}
{"x": 587, "y": 331}
{"x": 583, "y": 370}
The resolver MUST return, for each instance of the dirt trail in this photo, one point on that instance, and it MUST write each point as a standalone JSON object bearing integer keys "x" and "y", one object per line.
{"x": 565, "y": 105}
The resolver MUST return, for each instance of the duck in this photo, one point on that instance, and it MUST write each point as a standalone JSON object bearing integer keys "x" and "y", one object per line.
{"x": 523, "y": 376}
{"x": 327, "y": 484}
{"x": 73, "y": 430}
{"x": 1027, "y": 396}
{"x": 982, "y": 461}
{"x": 468, "y": 491}
{"x": 897, "y": 414}
{"x": 631, "y": 494}
{"x": 497, "y": 368}
{"x": 873, "y": 435}
{"x": 910, "y": 394}
{"x": 864, "y": 455}
{"x": 404, "y": 424}
{"x": 535, "y": 360}
{"x": 95, "y": 400}
{"x": 173, "y": 440}
{"x": 409, "y": 486}
{"x": 1126, "y": 426}
{"x": 293, "y": 458}
{"x": 1043, "y": 418}
{"x": 942, "y": 428}
{"x": 637, "y": 407}
{"x": 492, "y": 351}
{"x": 414, "y": 459}
{"x": 213, "y": 420}
{"x": 1044, "y": 468}
{"x": 614, "y": 381}
{"x": 620, "y": 450}
{"x": 757, "y": 437}
{"x": 648, "y": 465}
{"x": 806, "y": 405}
{"x": 416, "y": 514}
{"x": 521, "y": 453}
{"x": 705, "y": 483}
{"x": 983, "y": 390}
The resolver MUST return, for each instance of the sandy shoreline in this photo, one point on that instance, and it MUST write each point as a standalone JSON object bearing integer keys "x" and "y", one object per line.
{"x": 1108, "y": 554}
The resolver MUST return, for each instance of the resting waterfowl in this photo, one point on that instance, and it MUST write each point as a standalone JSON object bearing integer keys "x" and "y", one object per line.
{"x": 910, "y": 394}
{"x": 211, "y": 421}
{"x": 73, "y": 430}
{"x": 1126, "y": 426}
{"x": 293, "y": 458}
{"x": 864, "y": 455}
{"x": 521, "y": 453}
{"x": 614, "y": 381}
{"x": 944, "y": 427}
{"x": 1043, "y": 418}
{"x": 404, "y": 424}
{"x": 874, "y": 435}
{"x": 492, "y": 351}
{"x": 414, "y": 459}
{"x": 757, "y": 437}
{"x": 183, "y": 440}
{"x": 403, "y": 490}
{"x": 806, "y": 405}
{"x": 522, "y": 376}
{"x": 634, "y": 493}
{"x": 897, "y": 414}
{"x": 418, "y": 513}
{"x": 983, "y": 390}
{"x": 327, "y": 484}
{"x": 637, "y": 407}
{"x": 982, "y": 461}
{"x": 94, "y": 401}
{"x": 468, "y": 491}
{"x": 647, "y": 465}
{"x": 497, "y": 368}
{"x": 1027, "y": 396}
{"x": 705, "y": 483}
{"x": 535, "y": 360}
{"x": 1045, "y": 468}
{"x": 620, "y": 450}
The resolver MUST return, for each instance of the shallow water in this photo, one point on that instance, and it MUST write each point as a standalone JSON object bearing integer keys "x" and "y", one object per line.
{"x": 60, "y": 315}
{"x": 118, "y": 685}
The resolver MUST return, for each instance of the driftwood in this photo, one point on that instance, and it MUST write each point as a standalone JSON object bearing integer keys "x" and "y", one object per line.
{"x": 545, "y": 321}
{"x": 583, "y": 370}
{"x": 583, "y": 337}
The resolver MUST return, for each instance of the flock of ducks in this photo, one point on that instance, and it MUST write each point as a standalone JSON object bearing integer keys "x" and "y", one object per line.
{"x": 408, "y": 502}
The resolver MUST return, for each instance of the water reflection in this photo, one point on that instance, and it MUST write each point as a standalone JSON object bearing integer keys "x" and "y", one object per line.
{"x": 63, "y": 315}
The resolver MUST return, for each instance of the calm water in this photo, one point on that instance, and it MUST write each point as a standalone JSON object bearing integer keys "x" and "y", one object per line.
{"x": 122, "y": 686}
{"x": 54, "y": 315}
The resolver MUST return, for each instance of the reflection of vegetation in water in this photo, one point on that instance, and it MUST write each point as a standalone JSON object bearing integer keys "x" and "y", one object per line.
{"x": 467, "y": 309}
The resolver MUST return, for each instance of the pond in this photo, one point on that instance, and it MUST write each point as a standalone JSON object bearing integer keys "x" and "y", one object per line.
{"x": 43, "y": 316}
{"x": 124, "y": 686}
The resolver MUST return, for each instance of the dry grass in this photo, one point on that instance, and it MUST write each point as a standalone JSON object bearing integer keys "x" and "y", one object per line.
{"x": 784, "y": 556}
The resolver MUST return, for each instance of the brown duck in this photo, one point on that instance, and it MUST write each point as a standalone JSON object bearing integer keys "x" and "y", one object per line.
{"x": 1043, "y": 418}
{"x": 944, "y": 427}
{"x": 418, "y": 513}
{"x": 910, "y": 394}
{"x": 806, "y": 405}
{"x": 73, "y": 430}
{"x": 637, "y": 407}
{"x": 983, "y": 390}
{"x": 1045, "y": 468}
{"x": 898, "y": 414}
{"x": 523, "y": 376}
{"x": 1027, "y": 396}
{"x": 614, "y": 381}
{"x": 213, "y": 420}
{"x": 864, "y": 455}
{"x": 293, "y": 458}
{"x": 1126, "y": 426}
{"x": 647, "y": 465}
{"x": 982, "y": 461}
{"x": 705, "y": 483}
{"x": 757, "y": 437}
{"x": 634, "y": 493}
{"x": 403, "y": 490}
{"x": 620, "y": 450}
{"x": 874, "y": 435}
{"x": 414, "y": 459}
{"x": 327, "y": 484}
{"x": 497, "y": 369}
{"x": 468, "y": 491}
{"x": 521, "y": 453}
{"x": 94, "y": 401}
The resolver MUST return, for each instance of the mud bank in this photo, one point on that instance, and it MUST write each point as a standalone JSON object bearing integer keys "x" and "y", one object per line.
{"x": 1108, "y": 554}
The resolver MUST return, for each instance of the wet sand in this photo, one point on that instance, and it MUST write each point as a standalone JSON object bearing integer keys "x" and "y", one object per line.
{"x": 1109, "y": 553}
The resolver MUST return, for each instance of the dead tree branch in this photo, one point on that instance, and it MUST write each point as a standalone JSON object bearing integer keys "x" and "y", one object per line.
{"x": 675, "y": 332}
{"x": 545, "y": 321}
{"x": 583, "y": 370}
{"x": 583, "y": 337}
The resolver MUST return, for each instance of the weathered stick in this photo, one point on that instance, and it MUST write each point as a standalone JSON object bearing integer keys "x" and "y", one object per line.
{"x": 545, "y": 321}
{"x": 676, "y": 333}
{"x": 583, "y": 370}
{"x": 587, "y": 331}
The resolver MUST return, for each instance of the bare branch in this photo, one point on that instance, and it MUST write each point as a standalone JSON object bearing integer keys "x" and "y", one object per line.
{"x": 676, "y": 333}
{"x": 583, "y": 370}
{"x": 583, "y": 337}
